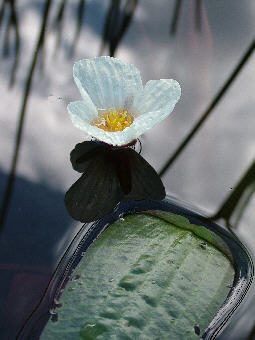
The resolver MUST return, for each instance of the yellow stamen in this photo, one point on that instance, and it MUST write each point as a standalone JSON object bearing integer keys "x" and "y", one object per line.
{"x": 113, "y": 120}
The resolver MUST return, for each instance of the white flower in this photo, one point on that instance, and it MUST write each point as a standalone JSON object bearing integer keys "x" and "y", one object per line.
{"x": 116, "y": 109}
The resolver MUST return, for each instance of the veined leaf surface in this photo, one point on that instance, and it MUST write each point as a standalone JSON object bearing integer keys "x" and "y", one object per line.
{"x": 144, "y": 278}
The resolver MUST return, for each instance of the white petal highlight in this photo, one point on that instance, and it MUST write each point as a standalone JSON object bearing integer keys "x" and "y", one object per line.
{"x": 109, "y": 82}
{"x": 114, "y": 138}
{"x": 82, "y": 113}
{"x": 157, "y": 95}
{"x": 154, "y": 103}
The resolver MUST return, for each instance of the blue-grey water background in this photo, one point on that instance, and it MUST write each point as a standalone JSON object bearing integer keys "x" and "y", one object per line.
{"x": 201, "y": 54}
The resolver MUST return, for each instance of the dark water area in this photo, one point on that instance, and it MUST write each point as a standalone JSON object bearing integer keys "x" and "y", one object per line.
{"x": 208, "y": 46}
{"x": 32, "y": 241}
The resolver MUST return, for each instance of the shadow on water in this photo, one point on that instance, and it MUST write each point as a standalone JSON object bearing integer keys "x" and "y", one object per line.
{"x": 234, "y": 206}
{"x": 36, "y": 235}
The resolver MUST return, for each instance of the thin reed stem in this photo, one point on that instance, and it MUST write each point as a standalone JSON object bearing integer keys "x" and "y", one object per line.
{"x": 209, "y": 109}
{"x": 19, "y": 133}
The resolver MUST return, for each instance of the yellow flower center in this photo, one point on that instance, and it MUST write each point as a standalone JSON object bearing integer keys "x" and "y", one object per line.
{"x": 113, "y": 120}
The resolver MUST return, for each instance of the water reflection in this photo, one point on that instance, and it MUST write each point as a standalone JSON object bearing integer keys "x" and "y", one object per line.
{"x": 238, "y": 200}
{"x": 209, "y": 167}
{"x": 29, "y": 247}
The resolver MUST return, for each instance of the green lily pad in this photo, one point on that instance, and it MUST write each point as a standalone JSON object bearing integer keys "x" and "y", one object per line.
{"x": 147, "y": 277}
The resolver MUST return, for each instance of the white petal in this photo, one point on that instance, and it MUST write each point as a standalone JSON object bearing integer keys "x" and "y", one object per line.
{"x": 157, "y": 95}
{"x": 108, "y": 81}
{"x": 82, "y": 113}
{"x": 114, "y": 138}
{"x": 154, "y": 103}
